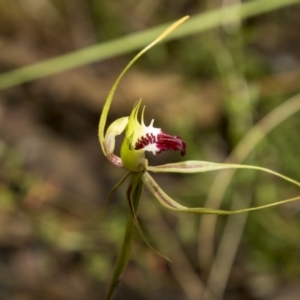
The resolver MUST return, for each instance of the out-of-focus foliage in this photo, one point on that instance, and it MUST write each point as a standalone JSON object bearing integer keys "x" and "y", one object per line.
{"x": 210, "y": 89}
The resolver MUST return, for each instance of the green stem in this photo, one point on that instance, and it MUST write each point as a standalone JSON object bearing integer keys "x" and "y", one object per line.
{"x": 134, "y": 192}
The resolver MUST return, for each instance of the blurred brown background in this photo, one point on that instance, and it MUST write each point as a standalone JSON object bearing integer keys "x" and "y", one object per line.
{"x": 209, "y": 88}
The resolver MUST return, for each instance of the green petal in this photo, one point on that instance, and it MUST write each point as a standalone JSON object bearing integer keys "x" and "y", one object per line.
{"x": 115, "y": 129}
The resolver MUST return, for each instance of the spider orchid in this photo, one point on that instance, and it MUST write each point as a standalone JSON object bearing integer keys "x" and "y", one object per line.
{"x": 140, "y": 138}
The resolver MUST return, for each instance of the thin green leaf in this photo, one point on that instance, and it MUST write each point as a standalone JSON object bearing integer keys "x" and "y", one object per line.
{"x": 199, "y": 23}
{"x": 171, "y": 204}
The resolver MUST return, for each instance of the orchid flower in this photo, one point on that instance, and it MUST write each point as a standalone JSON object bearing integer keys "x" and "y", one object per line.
{"x": 139, "y": 139}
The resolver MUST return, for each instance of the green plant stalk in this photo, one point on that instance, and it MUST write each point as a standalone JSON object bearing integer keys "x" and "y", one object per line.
{"x": 196, "y": 24}
{"x": 134, "y": 192}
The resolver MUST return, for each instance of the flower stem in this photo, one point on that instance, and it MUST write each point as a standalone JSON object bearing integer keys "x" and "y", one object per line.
{"x": 134, "y": 192}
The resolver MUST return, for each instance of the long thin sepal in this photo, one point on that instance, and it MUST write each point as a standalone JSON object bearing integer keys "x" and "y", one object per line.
{"x": 171, "y": 204}
{"x": 112, "y": 191}
{"x": 136, "y": 179}
{"x": 109, "y": 98}
{"x": 197, "y": 166}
